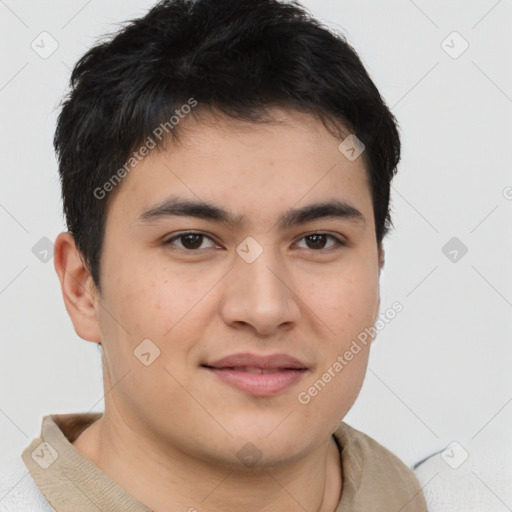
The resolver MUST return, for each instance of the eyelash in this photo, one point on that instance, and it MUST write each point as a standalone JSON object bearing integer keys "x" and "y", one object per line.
{"x": 339, "y": 243}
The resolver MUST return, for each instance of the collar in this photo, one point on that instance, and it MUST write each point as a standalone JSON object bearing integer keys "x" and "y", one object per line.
{"x": 373, "y": 477}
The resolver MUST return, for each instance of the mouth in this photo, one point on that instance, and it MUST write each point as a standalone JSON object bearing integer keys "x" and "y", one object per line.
{"x": 258, "y": 375}
{"x": 249, "y": 369}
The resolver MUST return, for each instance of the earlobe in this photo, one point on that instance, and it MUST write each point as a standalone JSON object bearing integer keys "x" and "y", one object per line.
{"x": 77, "y": 288}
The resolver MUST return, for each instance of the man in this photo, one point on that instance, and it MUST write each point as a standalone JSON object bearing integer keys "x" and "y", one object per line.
{"x": 225, "y": 168}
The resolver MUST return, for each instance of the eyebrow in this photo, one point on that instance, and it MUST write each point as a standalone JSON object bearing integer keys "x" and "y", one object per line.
{"x": 176, "y": 206}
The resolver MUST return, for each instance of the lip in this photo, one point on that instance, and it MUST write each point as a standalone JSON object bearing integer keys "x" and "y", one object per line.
{"x": 258, "y": 375}
{"x": 271, "y": 361}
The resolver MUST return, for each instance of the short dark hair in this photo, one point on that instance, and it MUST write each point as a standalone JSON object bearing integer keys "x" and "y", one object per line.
{"x": 235, "y": 57}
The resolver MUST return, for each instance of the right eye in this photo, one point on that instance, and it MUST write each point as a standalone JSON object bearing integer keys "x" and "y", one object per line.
{"x": 190, "y": 241}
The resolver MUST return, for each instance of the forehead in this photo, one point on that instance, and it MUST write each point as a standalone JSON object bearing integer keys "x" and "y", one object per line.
{"x": 250, "y": 167}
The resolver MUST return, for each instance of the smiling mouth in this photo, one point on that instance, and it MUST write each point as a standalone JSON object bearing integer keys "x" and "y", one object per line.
{"x": 255, "y": 381}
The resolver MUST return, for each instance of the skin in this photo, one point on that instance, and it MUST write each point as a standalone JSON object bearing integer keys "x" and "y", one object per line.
{"x": 171, "y": 430}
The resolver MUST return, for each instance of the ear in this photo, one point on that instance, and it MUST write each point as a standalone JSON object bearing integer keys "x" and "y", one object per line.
{"x": 78, "y": 290}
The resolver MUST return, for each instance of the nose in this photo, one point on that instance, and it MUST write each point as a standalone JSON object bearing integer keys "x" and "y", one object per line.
{"x": 260, "y": 295}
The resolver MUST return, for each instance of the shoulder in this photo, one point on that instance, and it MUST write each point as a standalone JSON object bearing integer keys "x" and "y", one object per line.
{"x": 366, "y": 452}
{"x": 374, "y": 474}
{"x": 18, "y": 491}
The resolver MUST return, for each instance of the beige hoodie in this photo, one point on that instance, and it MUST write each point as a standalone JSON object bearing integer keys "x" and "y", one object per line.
{"x": 373, "y": 478}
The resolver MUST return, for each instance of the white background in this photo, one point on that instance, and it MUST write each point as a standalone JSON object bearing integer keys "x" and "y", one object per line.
{"x": 440, "y": 371}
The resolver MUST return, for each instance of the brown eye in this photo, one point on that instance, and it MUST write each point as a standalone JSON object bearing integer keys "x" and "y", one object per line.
{"x": 318, "y": 241}
{"x": 189, "y": 241}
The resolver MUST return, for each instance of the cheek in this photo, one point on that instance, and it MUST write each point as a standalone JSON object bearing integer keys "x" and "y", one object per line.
{"x": 150, "y": 303}
{"x": 333, "y": 388}
{"x": 167, "y": 309}
{"x": 347, "y": 302}
{"x": 335, "y": 384}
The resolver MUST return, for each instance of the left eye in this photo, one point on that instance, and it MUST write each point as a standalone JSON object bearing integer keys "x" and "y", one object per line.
{"x": 193, "y": 241}
{"x": 319, "y": 239}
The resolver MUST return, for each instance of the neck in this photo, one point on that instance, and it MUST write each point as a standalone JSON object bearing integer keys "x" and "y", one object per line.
{"x": 164, "y": 478}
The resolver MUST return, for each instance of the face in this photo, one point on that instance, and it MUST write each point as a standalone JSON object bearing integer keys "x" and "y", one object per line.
{"x": 260, "y": 277}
